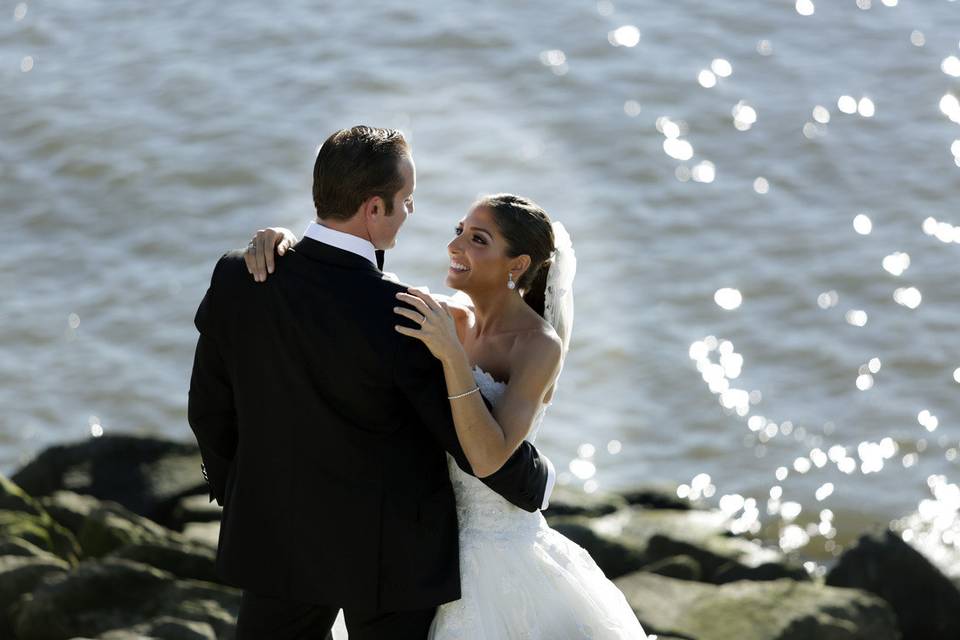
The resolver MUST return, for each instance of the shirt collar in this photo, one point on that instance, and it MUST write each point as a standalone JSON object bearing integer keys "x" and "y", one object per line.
{"x": 341, "y": 240}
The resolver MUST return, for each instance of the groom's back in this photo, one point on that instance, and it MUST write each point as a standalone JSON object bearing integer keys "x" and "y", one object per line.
{"x": 334, "y": 487}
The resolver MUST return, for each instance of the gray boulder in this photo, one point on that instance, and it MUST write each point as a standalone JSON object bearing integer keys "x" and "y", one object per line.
{"x": 14, "y": 498}
{"x": 656, "y": 497}
{"x": 40, "y": 531}
{"x": 19, "y": 575}
{"x": 113, "y": 594}
{"x": 23, "y": 518}
{"x": 181, "y": 558}
{"x": 206, "y": 533}
{"x": 619, "y": 542}
{"x": 926, "y": 602}
{"x": 196, "y": 508}
{"x": 727, "y": 559}
{"x": 69, "y": 509}
{"x": 680, "y": 567}
{"x": 10, "y": 546}
{"x": 110, "y": 527}
{"x": 613, "y": 556}
{"x": 773, "y": 610}
{"x": 568, "y": 501}
{"x": 165, "y": 628}
{"x": 146, "y": 475}
{"x": 637, "y": 526}
{"x": 632, "y": 538}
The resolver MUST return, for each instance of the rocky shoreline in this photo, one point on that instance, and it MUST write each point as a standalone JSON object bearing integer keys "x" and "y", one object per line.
{"x": 114, "y": 538}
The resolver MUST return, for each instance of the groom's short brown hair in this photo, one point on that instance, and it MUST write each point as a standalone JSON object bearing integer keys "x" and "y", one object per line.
{"x": 356, "y": 164}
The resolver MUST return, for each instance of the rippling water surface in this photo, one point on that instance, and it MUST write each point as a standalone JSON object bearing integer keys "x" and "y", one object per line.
{"x": 762, "y": 200}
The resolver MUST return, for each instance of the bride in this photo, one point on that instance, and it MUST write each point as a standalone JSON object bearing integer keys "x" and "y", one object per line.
{"x": 504, "y": 335}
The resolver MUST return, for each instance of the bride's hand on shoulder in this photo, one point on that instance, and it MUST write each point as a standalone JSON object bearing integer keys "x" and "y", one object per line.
{"x": 437, "y": 327}
{"x": 260, "y": 252}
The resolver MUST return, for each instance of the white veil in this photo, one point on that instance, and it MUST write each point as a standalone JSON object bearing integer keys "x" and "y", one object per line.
{"x": 558, "y": 297}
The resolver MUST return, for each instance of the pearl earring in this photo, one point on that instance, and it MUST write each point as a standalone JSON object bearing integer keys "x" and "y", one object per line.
{"x": 510, "y": 283}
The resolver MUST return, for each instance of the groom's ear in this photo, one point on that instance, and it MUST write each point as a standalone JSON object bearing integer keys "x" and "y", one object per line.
{"x": 374, "y": 206}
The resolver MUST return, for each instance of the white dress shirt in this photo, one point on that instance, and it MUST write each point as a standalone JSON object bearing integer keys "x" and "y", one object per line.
{"x": 340, "y": 240}
{"x": 365, "y": 249}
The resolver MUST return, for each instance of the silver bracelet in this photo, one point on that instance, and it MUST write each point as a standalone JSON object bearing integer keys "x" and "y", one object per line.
{"x": 463, "y": 395}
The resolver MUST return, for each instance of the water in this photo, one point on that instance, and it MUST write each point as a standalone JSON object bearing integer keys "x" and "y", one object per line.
{"x": 141, "y": 142}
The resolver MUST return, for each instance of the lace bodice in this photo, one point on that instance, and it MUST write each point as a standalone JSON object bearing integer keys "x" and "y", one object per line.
{"x": 479, "y": 509}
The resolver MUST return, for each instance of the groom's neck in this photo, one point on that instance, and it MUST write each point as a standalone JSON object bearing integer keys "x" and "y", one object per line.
{"x": 354, "y": 226}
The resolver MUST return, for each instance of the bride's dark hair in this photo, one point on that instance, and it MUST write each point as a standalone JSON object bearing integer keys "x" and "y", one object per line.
{"x": 528, "y": 231}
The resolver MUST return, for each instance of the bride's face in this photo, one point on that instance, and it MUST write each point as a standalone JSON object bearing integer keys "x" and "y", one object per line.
{"x": 478, "y": 254}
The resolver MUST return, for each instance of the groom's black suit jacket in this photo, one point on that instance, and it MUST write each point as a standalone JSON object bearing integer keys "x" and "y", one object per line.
{"x": 323, "y": 432}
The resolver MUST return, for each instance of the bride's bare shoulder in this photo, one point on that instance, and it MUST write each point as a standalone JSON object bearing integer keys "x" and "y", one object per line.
{"x": 541, "y": 345}
{"x": 461, "y": 309}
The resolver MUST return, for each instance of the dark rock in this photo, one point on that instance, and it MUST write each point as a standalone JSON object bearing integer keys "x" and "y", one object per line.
{"x": 146, "y": 475}
{"x": 678, "y": 567}
{"x": 14, "y": 498}
{"x": 10, "y": 546}
{"x": 632, "y": 538}
{"x": 776, "y": 570}
{"x": 100, "y": 596}
{"x": 110, "y": 527}
{"x": 196, "y": 508}
{"x": 182, "y": 559}
{"x": 69, "y": 509}
{"x": 22, "y": 517}
{"x": 726, "y": 559}
{"x": 120, "y": 634}
{"x": 96, "y": 597}
{"x": 745, "y": 610}
{"x": 612, "y": 556}
{"x": 19, "y": 575}
{"x": 636, "y": 526}
{"x": 926, "y": 602}
{"x": 41, "y": 531}
{"x": 206, "y": 533}
{"x": 568, "y": 501}
{"x": 656, "y": 497}
{"x": 619, "y": 542}
{"x": 164, "y": 627}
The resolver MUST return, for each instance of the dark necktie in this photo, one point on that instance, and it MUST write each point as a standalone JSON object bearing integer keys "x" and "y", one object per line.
{"x": 380, "y": 259}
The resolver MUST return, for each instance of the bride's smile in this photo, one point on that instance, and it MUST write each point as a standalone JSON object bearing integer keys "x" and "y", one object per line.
{"x": 478, "y": 259}
{"x": 457, "y": 267}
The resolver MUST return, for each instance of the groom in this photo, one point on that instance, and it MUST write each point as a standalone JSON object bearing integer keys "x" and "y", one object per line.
{"x": 324, "y": 432}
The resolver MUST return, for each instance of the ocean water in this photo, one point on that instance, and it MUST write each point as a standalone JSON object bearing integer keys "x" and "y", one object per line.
{"x": 761, "y": 198}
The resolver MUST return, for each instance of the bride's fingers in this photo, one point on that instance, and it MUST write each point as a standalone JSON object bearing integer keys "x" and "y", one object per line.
{"x": 249, "y": 260}
{"x": 417, "y": 317}
{"x": 268, "y": 255}
{"x": 415, "y": 302}
{"x": 252, "y": 251}
{"x": 413, "y": 333}
{"x": 263, "y": 249}
{"x": 424, "y": 295}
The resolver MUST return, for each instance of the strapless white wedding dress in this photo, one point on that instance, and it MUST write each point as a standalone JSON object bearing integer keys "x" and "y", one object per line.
{"x": 520, "y": 579}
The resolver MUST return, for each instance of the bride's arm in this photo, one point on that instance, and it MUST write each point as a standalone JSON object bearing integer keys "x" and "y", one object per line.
{"x": 488, "y": 439}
